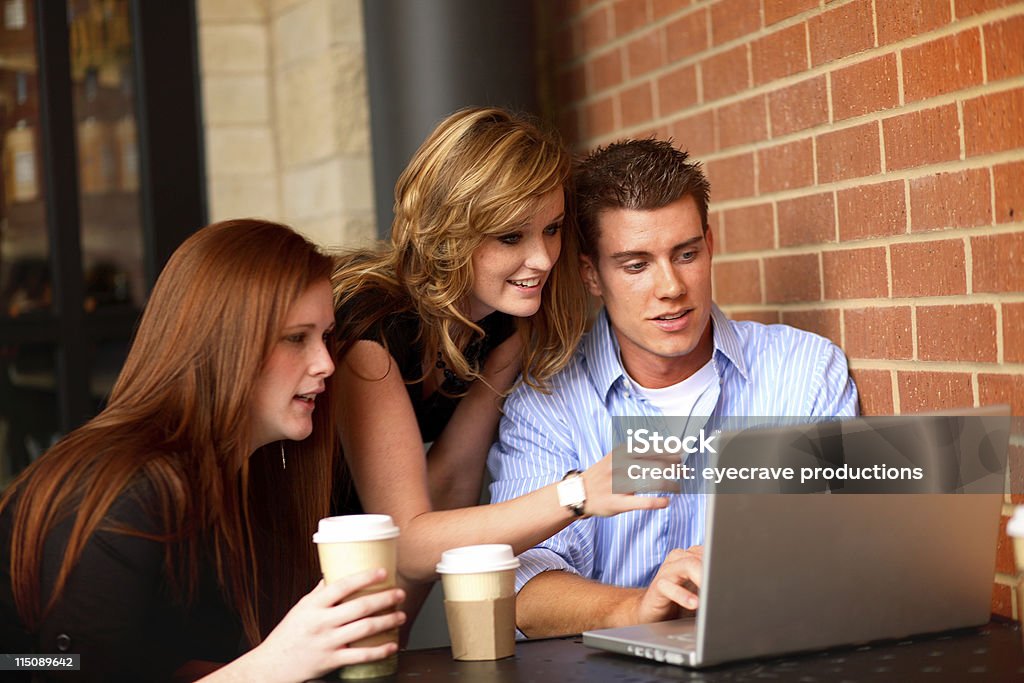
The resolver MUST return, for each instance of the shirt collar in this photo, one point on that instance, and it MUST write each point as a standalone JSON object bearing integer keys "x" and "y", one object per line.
{"x": 601, "y": 349}
{"x": 727, "y": 341}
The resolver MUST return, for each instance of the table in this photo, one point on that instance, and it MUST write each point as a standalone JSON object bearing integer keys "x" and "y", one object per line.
{"x": 990, "y": 653}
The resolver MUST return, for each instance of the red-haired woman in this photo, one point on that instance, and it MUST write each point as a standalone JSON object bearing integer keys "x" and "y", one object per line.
{"x": 172, "y": 533}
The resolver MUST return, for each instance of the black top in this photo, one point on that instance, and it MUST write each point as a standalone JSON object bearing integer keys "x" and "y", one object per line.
{"x": 117, "y": 610}
{"x": 400, "y": 335}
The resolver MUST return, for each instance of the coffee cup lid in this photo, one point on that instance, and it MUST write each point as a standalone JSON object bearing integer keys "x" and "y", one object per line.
{"x": 1015, "y": 527}
{"x": 348, "y": 528}
{"x": 474, "y": 559}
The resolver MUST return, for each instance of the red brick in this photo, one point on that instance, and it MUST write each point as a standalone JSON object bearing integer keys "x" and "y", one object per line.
{"x": 865, "y": 88}
{"x": 598, "y": 118}
{"x": 841, "y": 32}
{"x": 663, "y": 8}
{"x": 595, "y": 31}
{"x": 819, "y": 321}
{"x": 1005, "y": 563}
{"x": 909, "y": 18}
{"x": 922, "y": 137}
{"x": 731, "y": 177}
{"x": 765, "y": 317}
{"x": 924, "y": 391}
{"x": 792, "y": 278}
{"x": 798, "y": 107}
{"x": 742, "y": 122}
{"x": 605, "y": 71}
{"x": 725, "y": 74}
{"x": 874, "y": 388}
{"x": 994, "y": 389}
{"x": 637, "y": 105}
{"x": 646, "y": 53}
{"x": 677, "y": 90}
{"x": 731, "y": 19}
{"x": 961, "y": 199}
{"x": 1004, "y": 57}
{"x": 696, "y": 134}
{"x": 1013, "y": 333}
{"x": 751, "y": 228}
{"x": 1015, "y": 463}
{"x": 928, "y": 268}
{"x": 882, "y": 332}
{"x": 780, "y": 54}
{"x": 1002, "y": 600}
{"x": 957, "y": 333}
{"x": 1008, "y": 180}
{"x": 872, "y": 211}
{"x": 737, "y": 282}
{"x": 993, "y": 123}
{"x": 807, "y": 220}
{"x": 629, "y": 15}
{"x": 687, "y": 35}
{"x": 941, "y": 66}
{"x": 777, "y": 10}
{"x": 855, "y": 273}
{"x": 849, "y": 153}
{"x": 966, "y": 8}
{"x": 998, "y": 262}
{"x": 785, "y": 166}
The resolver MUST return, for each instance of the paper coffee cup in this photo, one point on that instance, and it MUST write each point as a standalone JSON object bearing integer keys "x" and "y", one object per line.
{"x": 351, "y": 544}
{"x": 479, "y": 591}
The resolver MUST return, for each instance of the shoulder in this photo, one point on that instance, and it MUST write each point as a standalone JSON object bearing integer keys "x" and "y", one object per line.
{"x": 567, "y": 389}
{"x": 771, "y": 346}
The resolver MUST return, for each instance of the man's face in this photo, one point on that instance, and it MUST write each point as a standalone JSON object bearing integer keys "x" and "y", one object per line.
{"x": 653, "y": 271}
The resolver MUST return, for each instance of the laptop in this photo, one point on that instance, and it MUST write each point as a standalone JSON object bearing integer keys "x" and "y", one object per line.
{"x": 792, "y": 572}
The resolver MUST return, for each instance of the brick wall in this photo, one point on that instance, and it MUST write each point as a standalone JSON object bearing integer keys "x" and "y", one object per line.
{"x": 866, "y": 159}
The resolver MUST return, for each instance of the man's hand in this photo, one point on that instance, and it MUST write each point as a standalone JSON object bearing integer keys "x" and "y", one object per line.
{"x": 674, "y": 588}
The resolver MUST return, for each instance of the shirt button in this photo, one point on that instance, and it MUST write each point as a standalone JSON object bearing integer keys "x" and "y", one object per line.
{"x": 63, "y": 642}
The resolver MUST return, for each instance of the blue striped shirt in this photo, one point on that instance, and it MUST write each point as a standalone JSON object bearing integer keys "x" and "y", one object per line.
{"x": 763, "y": 370}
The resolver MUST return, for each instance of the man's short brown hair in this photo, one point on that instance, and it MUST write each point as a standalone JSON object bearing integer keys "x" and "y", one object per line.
{"x": 641, "y": 175}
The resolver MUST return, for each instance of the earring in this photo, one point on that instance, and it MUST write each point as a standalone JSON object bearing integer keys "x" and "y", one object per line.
{"x": 284, "y": 464}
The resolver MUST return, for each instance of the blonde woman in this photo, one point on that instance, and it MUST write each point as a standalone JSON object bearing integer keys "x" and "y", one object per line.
{"x": 478, "y": 285}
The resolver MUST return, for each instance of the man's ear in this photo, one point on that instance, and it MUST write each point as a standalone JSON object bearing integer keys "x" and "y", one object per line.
{"x": 709, "y": 238}
{"x": 588, "y": 271}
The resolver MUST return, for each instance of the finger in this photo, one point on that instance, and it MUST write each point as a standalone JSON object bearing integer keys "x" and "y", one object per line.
{"x": 677, "y": 594}
{"x": 336, "y": 591}
{"x": 355, "y": 631}
{"x": 625, "y": 502}
{"x": 350, "y": 611}
{"x": 360, "y": 655}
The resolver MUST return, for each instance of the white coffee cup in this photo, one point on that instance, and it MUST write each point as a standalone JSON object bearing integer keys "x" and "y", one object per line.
{"x": 479, "y": 591}
{"x": 351, "y": 544}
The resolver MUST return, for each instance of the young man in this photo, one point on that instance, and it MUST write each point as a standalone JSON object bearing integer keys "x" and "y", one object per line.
{"x": 660, "y": 346}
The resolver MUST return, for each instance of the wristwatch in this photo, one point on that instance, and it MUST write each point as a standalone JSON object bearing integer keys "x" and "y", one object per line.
{"x": 571, "y": 492}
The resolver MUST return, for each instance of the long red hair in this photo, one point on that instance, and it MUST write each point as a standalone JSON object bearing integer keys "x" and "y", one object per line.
{"x": 178, "y": 420}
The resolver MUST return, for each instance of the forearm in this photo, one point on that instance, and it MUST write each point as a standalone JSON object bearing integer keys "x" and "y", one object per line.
{"x": 457, "y": 458}
{"x": 455, "y": 463}
{"x": 522, "y": 522}
{"x": 556, "y": 603}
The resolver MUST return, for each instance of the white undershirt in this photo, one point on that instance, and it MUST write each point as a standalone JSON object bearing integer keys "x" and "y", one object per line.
{"x": 679, "y": 399}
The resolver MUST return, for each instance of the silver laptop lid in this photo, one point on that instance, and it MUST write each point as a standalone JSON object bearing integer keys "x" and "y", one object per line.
{"x": 792, "y": 572}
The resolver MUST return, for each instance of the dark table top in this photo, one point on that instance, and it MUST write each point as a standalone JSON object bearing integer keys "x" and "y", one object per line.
{"x": 990, "y": 653}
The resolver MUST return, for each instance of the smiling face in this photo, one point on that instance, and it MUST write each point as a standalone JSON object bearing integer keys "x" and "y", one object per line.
{"x": 653, "y": 271}
{"x": 294, "y": 375}
{"x": 510, "y": 269}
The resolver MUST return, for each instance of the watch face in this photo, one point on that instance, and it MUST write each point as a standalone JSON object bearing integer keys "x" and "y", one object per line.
{"x": 571, "y": 491}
